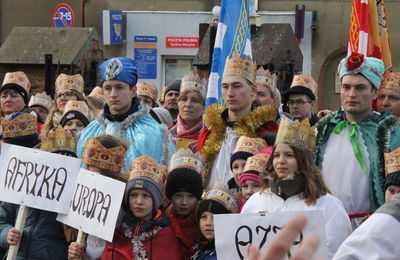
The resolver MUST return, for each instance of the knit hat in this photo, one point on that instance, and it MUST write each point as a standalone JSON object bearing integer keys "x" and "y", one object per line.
{"x": 59, "y": 140}
{"x": 176, "y": 85}
{"x": 254, "y": 166}
{"x": 148, "y": 90}
{"x": 162, "y": 114}
{"x": 371, "y": 68}
{"x": 148, "y": 175}
{"x": 246, "y": 147}
{"x": 41, "y": 99}
{"x": 219, "y": 199}
{"x": 19, "y": 82}
{"x": 392, "y": 168}
{"x": 121, "y": 68}
{"x": 66, "y": 82}
{"x": 302, "y": 84}
{"x": 20, "y": 129}
{"x": 75, "y": 110}
{"x": 185, "y": 173}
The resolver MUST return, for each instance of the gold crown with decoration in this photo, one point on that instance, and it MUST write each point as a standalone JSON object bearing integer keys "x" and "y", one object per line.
{"x": 65, "y": 82}
{"x": 265, "y": 77}
{"x": 110, "y": 159}
{"x": 306, "y": 81}
{"x": 237, "y": 66}
{"x": 249, "y": 145}
{"x": 22, "y": 125}
{"x": 392, "y": 161}
{"x": 298, "y": 134}
{"x": 76, "y": 105}
{"x": 192, "y": 81}
{"x": 148, "y": 90}
{"x": 59, "y": 139}
{"x": 97, "y": 92}
{"x": 257, "y": 163}
{"x": 391, "y": 80}
{"x": 41, "y": 99}
{"x": 19, "y": 78}
{"x": 145, "y": 166}
{"x": 221, "y": 193}
{"x": 185, "y": 158}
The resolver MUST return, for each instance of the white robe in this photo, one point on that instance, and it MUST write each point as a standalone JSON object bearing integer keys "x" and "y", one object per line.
{"x": 337, "y": 226}
{"x": 377, "y": 238}
{"x": 221, "y": 170}
{"x": 343, "y": 175}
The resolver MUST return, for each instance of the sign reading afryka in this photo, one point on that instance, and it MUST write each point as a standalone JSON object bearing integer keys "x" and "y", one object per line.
{"x": 95, "y": 204}
{"x": 36, "y": 178}
{"x": 245, "y": 229}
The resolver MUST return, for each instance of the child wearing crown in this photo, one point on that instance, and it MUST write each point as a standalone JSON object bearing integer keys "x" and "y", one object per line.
{"x": 292, "y": 181}
{"x": 145, "y": 232}
{"x": 219, "y": 199}
{"x": 184, "y": 188}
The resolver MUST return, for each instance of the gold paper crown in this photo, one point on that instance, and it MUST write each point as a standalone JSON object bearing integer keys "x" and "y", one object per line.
{"x": 145, "y": 166}
{"x": 41, "y": 99}
{"x": 187, "y": 159}
{"x": 65, "y": 82}
{"x": 265, "y": 77}
{"x": 192, "y": 81}
{"x": 59, "y": 139}
{"x": 391, "y": 80}
{"x": 240, "y": 67}
{"x": 305, "y": 80}
{"x": 110, "y": 159}
{"x": 300, "y": 135}
{"x": 22, "y": 125}
{"x": 249, "y": 145}
{"x": 392, "y": 161}
{"x": 221, "y": 193}
{"x": 75, "y": 105}
{"x": 97, "y": 93}
{"x": 18, "y": 78}
{"x": 256, "y": 163}
{"x": 148, "y": 90}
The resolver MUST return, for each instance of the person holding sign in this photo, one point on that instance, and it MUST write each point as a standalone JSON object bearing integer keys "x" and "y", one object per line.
{"x": 43, "y": 237}
{"x": 217, "y": 200}
{"x": 76, "y": 116}
{"x": 103, "y": 154}
{"x": 191, "y": 102}
{"x": 245, "y": 148}
{"x": 123, "y": 116}
{"x": 292, "y": 182}
{"x": 184, "y": 188}
{"x": 145, "y": 232}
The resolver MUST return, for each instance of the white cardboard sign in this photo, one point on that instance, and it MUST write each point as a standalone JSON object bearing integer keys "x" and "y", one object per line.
{"x": 95, "y": 204}
{"x": 36, "y": 178}
{"x": 235, "y": 232}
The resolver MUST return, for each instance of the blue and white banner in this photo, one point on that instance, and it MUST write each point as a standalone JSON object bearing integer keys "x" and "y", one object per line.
{"x": 233, "y": 36}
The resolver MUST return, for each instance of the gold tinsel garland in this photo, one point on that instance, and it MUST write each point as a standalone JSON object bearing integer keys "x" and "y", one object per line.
{"x": 246, "y": 126}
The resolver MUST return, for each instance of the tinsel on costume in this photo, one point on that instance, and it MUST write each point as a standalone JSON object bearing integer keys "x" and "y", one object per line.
{"x": 245, "y": 126}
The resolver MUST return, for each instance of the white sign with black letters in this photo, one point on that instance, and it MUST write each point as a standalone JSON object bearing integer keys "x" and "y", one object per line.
{"x": 36, "y": 178}
{"x": 95, "y": 204}
{"x": 235, "y": 232}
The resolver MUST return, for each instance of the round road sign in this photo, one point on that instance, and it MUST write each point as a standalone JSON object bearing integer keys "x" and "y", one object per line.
{"x": 63, "y": 16}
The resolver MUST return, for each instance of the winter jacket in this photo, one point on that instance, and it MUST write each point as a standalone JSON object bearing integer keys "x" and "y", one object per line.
{"x": 42, "y": 238}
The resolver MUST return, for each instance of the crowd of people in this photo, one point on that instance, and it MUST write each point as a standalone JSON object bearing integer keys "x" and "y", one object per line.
{"x": 182, "y": 162}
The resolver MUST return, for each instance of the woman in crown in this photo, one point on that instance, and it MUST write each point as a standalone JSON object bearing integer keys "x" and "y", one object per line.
{"x": 191, "y": 104}
{"x": 293, "y": 182}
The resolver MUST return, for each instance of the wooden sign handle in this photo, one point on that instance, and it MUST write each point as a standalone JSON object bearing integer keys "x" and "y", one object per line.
{"x": 19, "y": 225}
{"x": 81, "y": 239}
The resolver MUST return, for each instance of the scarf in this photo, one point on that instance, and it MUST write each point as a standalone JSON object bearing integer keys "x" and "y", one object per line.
{"x": 184, "y": 132}
{"x": 287, "y": 187}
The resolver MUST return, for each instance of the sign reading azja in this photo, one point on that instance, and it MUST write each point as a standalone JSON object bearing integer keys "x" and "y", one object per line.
{"x": 36, "y": 178}
{"x": 95, "y": 204}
